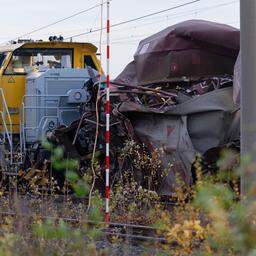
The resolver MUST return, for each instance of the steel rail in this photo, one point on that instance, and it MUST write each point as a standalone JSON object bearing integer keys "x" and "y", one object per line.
{"x": 110, "y": 230}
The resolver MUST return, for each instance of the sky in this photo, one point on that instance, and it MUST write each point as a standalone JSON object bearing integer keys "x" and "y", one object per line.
{"x": 20, "y": 17}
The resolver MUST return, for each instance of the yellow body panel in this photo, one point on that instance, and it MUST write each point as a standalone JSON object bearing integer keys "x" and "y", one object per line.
{"x": 14, "y": 85}
{"x": 14, "y": 90}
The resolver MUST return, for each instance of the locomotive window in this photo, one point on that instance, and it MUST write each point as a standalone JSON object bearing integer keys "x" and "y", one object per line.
{"x": 2, "y": 58}
{"x": 27, "y": 60}
{"x": 88, "y": 61}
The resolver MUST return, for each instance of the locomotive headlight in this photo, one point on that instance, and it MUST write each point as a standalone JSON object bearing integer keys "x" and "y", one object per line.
{"x": 78, "y": 96}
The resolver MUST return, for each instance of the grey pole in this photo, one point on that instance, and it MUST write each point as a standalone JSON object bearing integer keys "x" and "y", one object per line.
{"x": 248, "y": 90}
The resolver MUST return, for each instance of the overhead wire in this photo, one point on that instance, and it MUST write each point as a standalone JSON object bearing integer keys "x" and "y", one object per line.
{"x": 162, "y": 18}
{"x": 135, "y": 19}
{"x": 134, "y": 38}
{"x": 91, "y": 30}
{"x": 120, "y": 23}
{"x": 181, "y": 14}
{"x": 58, "y": 21}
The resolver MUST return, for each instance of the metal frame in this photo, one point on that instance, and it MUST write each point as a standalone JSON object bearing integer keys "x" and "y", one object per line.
{"x": 6, "y": 132}
{"x": 24, "y": 128}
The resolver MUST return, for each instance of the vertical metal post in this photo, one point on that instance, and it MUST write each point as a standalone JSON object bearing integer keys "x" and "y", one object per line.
{"x": 248, "y": 90}
{"x": 107, "y": 215}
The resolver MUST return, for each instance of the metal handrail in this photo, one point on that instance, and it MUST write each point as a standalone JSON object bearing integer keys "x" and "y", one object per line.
{"x": 5, "y": 126}
{"x": 6, "y": 109}
{"x": 22, "y": 138}
{"x": 22, "y": 132}
{"x": 7, "y": 132}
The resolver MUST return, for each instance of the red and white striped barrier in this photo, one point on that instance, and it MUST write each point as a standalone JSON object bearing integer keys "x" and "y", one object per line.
{"x": 107, "y": 109}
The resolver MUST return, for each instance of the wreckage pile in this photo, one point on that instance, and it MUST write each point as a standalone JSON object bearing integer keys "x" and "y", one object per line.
{"x": 171, "y": 103}
{"x": 189, "y": 70}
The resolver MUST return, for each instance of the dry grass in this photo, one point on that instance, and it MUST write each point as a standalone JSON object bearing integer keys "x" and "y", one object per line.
{"x": 207, "y": 218}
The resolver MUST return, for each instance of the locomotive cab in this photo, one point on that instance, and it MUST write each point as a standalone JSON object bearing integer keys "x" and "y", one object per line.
{"x": 19, "y": 60}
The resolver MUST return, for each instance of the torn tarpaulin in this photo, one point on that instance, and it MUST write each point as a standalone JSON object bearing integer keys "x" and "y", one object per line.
{"x": 182, "y": 130}
{"x": 190, "y": 49}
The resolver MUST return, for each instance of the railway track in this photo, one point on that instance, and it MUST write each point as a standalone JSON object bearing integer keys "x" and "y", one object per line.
{"x": 19, "y": 206}
{"x": 129, "y": 231}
